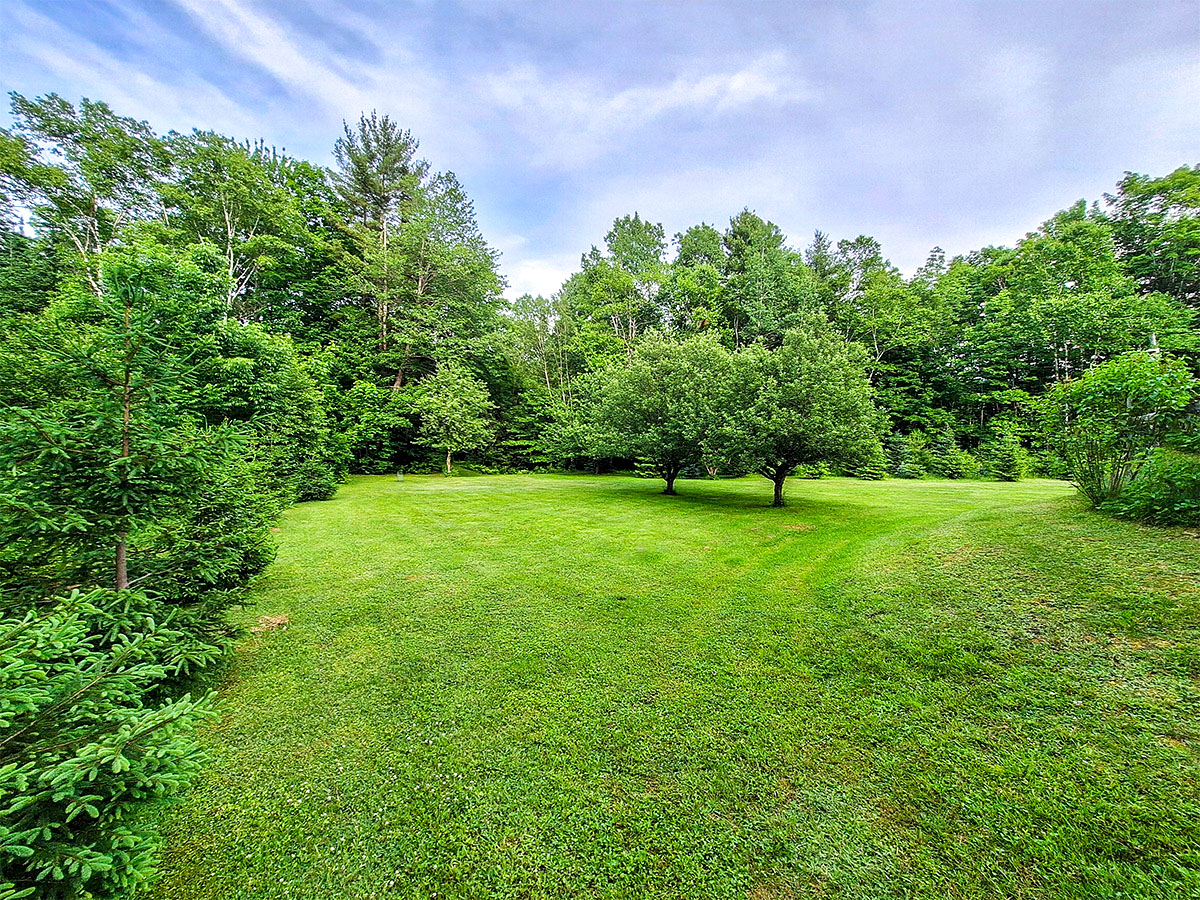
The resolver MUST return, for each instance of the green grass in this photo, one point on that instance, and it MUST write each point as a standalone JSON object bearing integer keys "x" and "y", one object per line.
{"x": 578, "y": 687}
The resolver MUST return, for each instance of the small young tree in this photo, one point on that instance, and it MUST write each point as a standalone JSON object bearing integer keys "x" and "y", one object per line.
{"x": 1107, "y": 422}
{"x": 455, "y": 411}
{"x": 1003, "y": 453}
{"x": 83, "y": 749}
{"x": 100, "y": 435}
{"x": 805, "y": 403}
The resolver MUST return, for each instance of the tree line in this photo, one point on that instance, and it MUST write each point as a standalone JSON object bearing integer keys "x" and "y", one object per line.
{"x": 196, "y": 332}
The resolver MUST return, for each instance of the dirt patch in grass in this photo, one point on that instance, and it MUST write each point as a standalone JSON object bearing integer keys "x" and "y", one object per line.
{"x": 271, "y": 623}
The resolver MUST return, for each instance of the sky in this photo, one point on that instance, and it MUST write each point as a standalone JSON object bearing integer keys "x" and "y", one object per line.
{"x": 923, "y": 124}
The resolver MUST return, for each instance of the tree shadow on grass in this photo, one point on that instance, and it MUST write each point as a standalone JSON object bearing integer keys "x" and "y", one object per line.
{"x": 723, "y": 495}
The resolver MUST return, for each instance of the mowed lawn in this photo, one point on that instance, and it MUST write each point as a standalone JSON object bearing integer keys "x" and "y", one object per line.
{"x": 578, "y": 687}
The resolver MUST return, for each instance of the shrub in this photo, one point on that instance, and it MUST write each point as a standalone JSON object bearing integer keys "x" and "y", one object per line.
{"x": 959, "y": 463}
{"x": 873, "y": 464}
{"x": 1106, "y": 422}
{"x": 948, "y": 460}
{"x": 812, "y": 470}
{"x": 1165, "y": 491}
{"x": 910, "y": 455}
{"x": 82, "y": 749}
{"x": 315, "y": 481}
{"x": 1003, "y": 456}
{"x": 1048, "y": 463}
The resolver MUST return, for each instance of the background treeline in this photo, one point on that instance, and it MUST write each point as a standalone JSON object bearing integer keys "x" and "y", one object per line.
{"x": 196, "y": 332}
{"x": 355, "y": 285}
{"x": 955, "y": 354}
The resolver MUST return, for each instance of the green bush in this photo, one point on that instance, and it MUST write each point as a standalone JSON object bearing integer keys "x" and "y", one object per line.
{"x": 812, "y": 470}
{"x": 1106, "y": 422}
{"x": 315, "y": 481}
{"x": 83, "y": 749}
{"x": 948, "y": 460}
{"x": 873, "y": 464}
{"x": 959, "y": 463}
{"x": 910, "y": 456}
{"x": 1165, "y": 491}
{"x": 1003, "y": 456}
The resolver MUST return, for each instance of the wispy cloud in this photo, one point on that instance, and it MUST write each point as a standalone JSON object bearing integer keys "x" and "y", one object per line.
{"x": 266, "y": 43}
{"x": 938, "y": 123}
{"x": 87, "y": 68}
{"x": 573, "y": 121}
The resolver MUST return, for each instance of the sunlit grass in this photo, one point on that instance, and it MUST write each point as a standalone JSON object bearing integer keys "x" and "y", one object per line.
{"x": 565, "y": 687}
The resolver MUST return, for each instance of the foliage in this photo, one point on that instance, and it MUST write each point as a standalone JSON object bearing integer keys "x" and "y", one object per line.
{"x": 261, "y": 380}
{"x": 910, "y": 455}
{"x": 198, "y": 558}
{"x": 315, "y": 482}
{"x": 455, "y": 411}
{"x": 1156, "y": 225}
{"x": 378, "y": 427}
{"x": 1106, "y": 422}
{"x": 1003, "y": 455}
{"x": 870, "y": 464}
{"x": 377, "y": 267}
{"x": 667, "y": 407}
{"x": 102, "y": 433}
{"x": 948, "y": 460}
{"x": 83, "y": 750}
{"x": 378, "y": 170}
{"x": 84, "y": 171}
{"x": 1165, "y": 490}
{"x": 805, "y": 403}
{"x": 28, "y": 274}
{"x": 226, "y": 194}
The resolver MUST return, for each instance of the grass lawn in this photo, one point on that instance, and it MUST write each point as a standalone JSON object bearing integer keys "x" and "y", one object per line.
{"x": 577, "y": 687}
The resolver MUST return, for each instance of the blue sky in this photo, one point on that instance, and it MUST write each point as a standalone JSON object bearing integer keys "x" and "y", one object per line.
{"x": 921, "y": 123}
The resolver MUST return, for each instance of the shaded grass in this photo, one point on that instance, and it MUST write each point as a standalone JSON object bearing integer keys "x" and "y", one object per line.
{"x": 565, "y": 686}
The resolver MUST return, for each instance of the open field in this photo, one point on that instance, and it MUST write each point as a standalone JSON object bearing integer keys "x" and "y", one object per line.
{"x": 568, "y": 687}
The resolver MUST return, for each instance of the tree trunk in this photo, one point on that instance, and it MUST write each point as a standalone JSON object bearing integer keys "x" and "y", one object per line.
{"x": 385, "y": 307}
{"x": 778, "y": 480}
{"x": 122, "y": 571}
{"x": 121, "y": 574}
{"x": 669, "y": 474}
{"x": 448, "y": 462}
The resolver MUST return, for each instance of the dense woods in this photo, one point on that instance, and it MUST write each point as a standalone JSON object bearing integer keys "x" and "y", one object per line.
{"x": 198, "y": 332}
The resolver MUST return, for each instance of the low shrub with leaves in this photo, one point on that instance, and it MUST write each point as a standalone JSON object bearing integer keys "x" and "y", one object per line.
{"x": 1108, "y": 422}
{"x": 1165, "y": 491}
{"x": 82, "y": 748}
{"x": 315, "y": 481}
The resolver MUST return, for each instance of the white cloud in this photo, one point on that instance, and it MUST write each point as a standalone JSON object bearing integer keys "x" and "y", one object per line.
{"x": 338, "y": 86}
{"x": 82, "y": 68}
{"x": 265, "y": 43}
{"x": 924, "y": 126}
{"x": 538, "y": 275}
{"x": 571, "y": 122}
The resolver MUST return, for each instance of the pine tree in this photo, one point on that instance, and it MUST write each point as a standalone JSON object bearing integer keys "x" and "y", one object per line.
{"x": 378, "y": 176}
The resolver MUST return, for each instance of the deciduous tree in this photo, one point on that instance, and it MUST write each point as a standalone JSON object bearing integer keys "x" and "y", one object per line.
{"x": 455, "y": 411}
{"x": 805, "y": 403}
